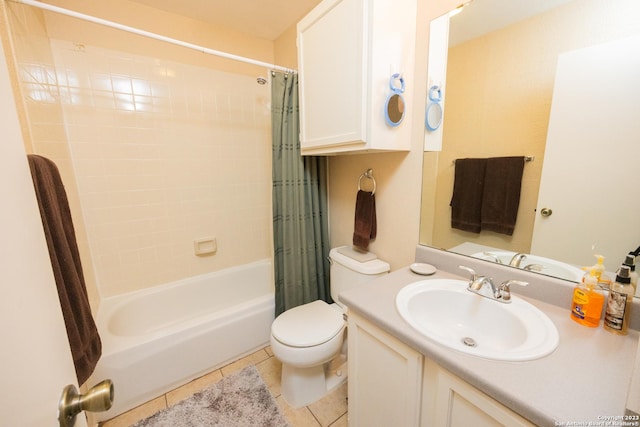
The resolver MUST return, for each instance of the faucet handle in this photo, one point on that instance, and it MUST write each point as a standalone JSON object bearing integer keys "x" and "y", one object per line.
{"x": 533, "y": 267}
{"x": 493, "y": 256}
{"x": 471, "y": 271}
{"x": 505, "y": 288}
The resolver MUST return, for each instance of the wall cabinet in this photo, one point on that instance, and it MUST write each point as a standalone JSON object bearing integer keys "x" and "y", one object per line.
{"x": 392, "y": 384}
{"x": 348, "y": 51}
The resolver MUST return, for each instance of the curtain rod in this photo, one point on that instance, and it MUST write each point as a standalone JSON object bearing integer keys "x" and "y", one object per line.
{"x": 149, "y": 34}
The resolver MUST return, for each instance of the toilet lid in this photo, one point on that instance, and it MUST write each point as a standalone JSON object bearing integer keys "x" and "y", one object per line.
{"x": 307, "y": 325}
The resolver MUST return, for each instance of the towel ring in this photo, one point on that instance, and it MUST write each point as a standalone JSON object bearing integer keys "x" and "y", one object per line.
{"x": 368, "y": 174}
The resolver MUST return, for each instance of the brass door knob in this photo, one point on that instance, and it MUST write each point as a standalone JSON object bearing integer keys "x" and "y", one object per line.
{"x": 546, "y": 212}
{"x": 99, "y": 398}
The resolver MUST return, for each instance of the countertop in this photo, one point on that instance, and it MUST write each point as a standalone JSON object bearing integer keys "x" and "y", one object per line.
{"x": 585, "y": 379}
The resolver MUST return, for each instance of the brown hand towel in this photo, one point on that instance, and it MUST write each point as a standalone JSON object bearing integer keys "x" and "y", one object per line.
{"x": 365, "y": 227}
{"x": 501, "y": 197}
{"x": 466, "y": 202}
{"x": 84, "y": 340}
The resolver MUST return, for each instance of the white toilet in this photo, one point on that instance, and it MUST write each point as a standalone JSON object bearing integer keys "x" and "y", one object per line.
{"x": 310, "y": 340}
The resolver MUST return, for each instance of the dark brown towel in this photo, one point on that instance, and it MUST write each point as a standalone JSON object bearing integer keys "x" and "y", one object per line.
{"x": 365, "y": 227}
{"x": 466, "y": 201}
{"x": 501, "y": 197}
{"x": 84, "y": 340}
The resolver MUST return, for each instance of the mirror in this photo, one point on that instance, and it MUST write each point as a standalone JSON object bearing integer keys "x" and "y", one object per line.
{"x": 503, "y": 75}
{"x": 394, "y": 107}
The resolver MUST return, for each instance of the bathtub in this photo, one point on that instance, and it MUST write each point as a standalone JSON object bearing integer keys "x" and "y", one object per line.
{"x": 156, "y": 339}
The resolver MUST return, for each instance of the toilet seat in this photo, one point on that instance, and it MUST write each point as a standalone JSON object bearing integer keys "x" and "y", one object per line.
{"x": 308, "y": 325}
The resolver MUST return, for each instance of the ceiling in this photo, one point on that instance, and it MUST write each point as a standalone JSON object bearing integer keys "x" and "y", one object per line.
{"x": 266, "y": 19}
{"x": 482, "y": 16}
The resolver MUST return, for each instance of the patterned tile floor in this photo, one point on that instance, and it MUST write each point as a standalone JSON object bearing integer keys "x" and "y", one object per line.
{"x": 330, "y": 411}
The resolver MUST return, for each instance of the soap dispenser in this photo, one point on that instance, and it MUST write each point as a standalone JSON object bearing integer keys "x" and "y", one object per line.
{"x": 603, "y": 280}
{"x": 588, "y": 300}
{"x": 616, "y": 318}
{"x": 630, "y": 261}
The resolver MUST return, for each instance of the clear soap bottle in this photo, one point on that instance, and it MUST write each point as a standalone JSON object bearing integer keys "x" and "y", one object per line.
{"x": 616, "y": 318}
{"x": 630, "y": 261}
{"x": 603, "y": 280}
{"x": 586, "y": 307}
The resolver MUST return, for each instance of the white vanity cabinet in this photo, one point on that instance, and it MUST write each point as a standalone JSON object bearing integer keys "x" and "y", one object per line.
{"x": 392, "y": 384}
{"x": 385, "y": 377}
{"x": 348, "y": 51}
{"x": 449, "y": 401}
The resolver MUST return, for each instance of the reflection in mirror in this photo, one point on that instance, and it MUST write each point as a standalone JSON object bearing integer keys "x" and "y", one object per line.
{"x": 434, "y": 108}
{"x": 499, "y": 92}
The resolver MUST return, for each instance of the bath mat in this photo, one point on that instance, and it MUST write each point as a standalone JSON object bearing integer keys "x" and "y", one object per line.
{"x": 239, "y": 400}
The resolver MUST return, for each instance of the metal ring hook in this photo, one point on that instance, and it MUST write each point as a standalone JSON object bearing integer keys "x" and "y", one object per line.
{"x": 368, "y": 174}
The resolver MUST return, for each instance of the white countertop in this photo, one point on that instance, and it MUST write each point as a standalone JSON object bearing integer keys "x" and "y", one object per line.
{"x": 586, "y": 378}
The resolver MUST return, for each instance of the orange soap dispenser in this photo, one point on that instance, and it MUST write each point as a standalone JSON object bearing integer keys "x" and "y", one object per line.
{"x": 588, "y": 301}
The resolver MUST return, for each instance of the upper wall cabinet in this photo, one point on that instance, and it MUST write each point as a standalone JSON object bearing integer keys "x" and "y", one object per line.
{"x": 356, "y": 65}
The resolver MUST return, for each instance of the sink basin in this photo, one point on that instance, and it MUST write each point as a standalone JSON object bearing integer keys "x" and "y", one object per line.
{"x": 444, "y": 311}
{"x": 550, "y": 267}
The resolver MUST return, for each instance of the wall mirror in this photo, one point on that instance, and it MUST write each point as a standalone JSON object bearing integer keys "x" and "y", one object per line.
{"x": 501, "y": 71}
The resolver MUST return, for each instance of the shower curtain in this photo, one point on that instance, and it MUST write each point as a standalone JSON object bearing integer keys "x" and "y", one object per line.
{"x": 300, "y": 224}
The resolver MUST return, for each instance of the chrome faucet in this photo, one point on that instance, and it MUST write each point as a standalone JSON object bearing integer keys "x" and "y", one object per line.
{"x": 517, "y": 259}
{"x": 500, "y": 293}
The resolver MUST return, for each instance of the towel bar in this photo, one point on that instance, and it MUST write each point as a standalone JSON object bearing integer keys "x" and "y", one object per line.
{"x": 526, "y": 159}
{"x": 368, "y": 174}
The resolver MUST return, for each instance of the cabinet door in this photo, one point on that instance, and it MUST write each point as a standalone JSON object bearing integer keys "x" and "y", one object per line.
{"x": 451, "y": 402}
{"x": 384, "y": 378}
{"x": 331, "y": 61}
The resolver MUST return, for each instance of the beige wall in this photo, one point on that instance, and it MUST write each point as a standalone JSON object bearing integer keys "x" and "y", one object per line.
{"x": 166, "y": 144}
{"x": 499, "y": 90}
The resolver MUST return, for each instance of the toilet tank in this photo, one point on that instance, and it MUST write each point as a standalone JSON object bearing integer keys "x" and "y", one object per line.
{"x": 348, "y": 273}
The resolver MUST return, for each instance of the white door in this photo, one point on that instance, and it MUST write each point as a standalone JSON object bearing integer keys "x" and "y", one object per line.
{"x": 592, "y": 157}
{"x": 35, "y": 360}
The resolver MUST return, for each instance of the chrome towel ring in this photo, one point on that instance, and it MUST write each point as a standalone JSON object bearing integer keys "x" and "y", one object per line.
{"x": 369, "y": 175}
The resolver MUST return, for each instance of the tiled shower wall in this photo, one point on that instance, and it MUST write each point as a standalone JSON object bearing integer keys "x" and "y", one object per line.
{"x": 163, "y": 153}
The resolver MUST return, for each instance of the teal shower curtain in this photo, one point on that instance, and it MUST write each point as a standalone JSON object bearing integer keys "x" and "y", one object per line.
{"x": 300, "y": 224}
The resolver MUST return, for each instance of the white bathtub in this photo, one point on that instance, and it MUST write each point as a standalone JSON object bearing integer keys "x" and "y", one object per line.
{"x": 159, "y": 338}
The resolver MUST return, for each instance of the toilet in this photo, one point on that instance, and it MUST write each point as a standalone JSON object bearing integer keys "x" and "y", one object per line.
{"x": 310, "y": 340}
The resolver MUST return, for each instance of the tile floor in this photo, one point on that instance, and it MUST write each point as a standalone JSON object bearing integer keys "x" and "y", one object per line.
{"x": 331, "y": 411}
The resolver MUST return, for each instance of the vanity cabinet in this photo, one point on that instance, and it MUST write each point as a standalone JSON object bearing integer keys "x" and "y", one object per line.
{"x": 348, "y": 51}
{"x": 390, "y": 383}
{"x": 449, "y": 401}
{"x": 384, "y": 377}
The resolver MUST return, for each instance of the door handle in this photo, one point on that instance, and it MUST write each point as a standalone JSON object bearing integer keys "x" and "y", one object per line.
{"x": 546, "y": 212}
{"x": 99, "y": 398}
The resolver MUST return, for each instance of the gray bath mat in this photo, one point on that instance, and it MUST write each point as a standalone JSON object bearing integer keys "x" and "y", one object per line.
{"x": 239, "y": 400}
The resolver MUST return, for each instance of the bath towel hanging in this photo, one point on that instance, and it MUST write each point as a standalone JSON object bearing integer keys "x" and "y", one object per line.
{"x": 86, "y": 347}
{"x": 501, "y": 194}
{"x": 466, "y": 201}
{"x": 365, "y": 224}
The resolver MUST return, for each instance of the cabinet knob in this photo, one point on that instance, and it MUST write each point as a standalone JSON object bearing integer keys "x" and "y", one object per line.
{"x": 546, "y": 212}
